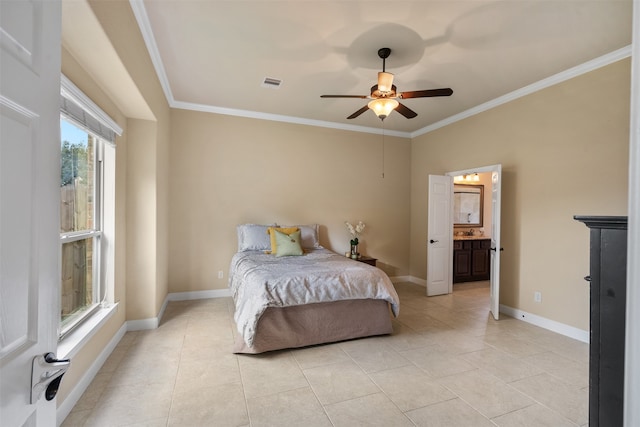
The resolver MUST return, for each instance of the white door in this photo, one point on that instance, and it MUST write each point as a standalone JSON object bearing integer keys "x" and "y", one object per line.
{"x": 439, "y": 236}
{"x": 496, "y": 183}
{"x": 29, "y": 202}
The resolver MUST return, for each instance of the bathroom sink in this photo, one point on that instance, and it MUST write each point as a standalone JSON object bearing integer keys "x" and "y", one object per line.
{"x": 469, "y": 237}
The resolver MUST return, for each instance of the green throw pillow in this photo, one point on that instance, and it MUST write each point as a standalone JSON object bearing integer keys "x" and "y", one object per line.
{"x": 287, "y": 244}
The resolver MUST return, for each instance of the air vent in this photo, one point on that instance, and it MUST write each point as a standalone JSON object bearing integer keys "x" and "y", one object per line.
{"x": 271, "y": 83}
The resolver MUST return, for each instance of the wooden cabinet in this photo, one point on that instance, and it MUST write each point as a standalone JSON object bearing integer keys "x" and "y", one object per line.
{"x": 608, "y": 289}
{"x": 471, "y": 260}
{"x": 461, "y": 261}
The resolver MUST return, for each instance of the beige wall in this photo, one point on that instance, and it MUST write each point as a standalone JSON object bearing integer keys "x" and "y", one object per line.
{"x": 228, "y": 170}
{"x": 564, "y": 152}
{"x": 148, "y": 165}
{"x": 86, "y": 357}
{"x": 142, "y": 220}
{"x": 140, "y": 293}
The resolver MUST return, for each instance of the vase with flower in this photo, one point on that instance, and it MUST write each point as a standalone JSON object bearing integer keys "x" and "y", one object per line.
{"x": 355, "y": 232}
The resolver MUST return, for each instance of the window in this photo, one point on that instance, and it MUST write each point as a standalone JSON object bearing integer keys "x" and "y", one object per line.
{"x": 87, "y": 181}
{"x": 80, "y": 216}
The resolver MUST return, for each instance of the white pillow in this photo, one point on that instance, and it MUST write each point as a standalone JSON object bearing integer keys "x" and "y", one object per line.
{"x": 308, "y": 235}
{"x": 253, "y": 237}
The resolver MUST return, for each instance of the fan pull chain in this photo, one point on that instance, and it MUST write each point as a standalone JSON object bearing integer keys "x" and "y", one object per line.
{"x": 383, "y": 149}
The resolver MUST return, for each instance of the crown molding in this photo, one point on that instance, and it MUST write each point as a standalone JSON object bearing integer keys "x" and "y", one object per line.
{"x": 147, "y": 33}
{"x": 562, "y": 76}
{"x": 142, "y": 18}
{"x": 287, "y": 119}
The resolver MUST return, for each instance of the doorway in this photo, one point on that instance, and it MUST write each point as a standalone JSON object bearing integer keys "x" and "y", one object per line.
{"x": 491, "y": 179}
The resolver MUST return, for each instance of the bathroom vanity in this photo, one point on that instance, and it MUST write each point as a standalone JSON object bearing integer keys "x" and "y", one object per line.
{"x": 471, "y": 259}
{"x": 471, "y": 256}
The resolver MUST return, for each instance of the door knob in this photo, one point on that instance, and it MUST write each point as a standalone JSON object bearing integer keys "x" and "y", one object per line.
{"x": 46, "y": 374}
{"x": 433, "y": 241}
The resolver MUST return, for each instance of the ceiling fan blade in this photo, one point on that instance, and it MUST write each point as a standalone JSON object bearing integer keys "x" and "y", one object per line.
{"x": 344, "y": 96}
{"x": 426, "y": 93}
{"x": 357, "y": 113}
{"x": 406, "y": 111}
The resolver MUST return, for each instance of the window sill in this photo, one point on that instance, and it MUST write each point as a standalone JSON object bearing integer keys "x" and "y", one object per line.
{"x": 71, "y": 344}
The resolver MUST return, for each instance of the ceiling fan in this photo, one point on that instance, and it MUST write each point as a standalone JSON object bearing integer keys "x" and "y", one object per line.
{"x": 384, "y": 96}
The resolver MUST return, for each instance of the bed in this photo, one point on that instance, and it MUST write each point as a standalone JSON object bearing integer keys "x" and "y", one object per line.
{"x": 313, "y": 297}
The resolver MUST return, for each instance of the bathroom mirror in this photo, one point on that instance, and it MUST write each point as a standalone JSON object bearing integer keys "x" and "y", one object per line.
{"x": 468, "y": 203}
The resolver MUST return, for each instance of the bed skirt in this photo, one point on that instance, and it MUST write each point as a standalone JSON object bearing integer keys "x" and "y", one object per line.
{"x": 311, "y": 324}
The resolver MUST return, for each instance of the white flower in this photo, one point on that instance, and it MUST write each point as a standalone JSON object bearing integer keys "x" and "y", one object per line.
{"x": 355, "y": 231}
{"x": 351, "y": 229}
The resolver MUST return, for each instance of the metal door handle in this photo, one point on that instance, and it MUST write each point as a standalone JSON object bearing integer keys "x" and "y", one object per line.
{"x": 494, "y": 249}
{"x": 46, "y": 374}
{"x": 433, "y": 241}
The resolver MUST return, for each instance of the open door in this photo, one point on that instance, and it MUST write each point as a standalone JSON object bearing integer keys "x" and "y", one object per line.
{"x": 439, "y": 236}
{"x": 29, "y": 211}
{"x": 496, "y": 191}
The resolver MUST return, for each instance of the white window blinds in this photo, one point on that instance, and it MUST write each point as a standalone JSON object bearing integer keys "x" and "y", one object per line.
{"x": 78, "y": 108}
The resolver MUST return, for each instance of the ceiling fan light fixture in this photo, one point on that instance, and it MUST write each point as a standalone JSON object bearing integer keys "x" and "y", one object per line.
{"x": 384, "y": 94}
{"x": 383, "y": 107}
{"x": 385, "y": 81}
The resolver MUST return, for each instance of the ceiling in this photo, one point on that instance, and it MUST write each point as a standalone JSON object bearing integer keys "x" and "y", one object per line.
{"x": 215, "y": 55}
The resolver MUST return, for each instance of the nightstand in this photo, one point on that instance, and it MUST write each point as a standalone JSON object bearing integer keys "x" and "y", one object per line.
{"x": 368, "y": 260}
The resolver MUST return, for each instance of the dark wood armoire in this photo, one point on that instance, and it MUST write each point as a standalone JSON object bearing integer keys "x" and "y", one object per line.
{"x": 608, "y": 290}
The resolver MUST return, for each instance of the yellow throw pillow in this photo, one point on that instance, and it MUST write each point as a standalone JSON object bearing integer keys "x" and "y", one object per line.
{"x": 274, "y": 244}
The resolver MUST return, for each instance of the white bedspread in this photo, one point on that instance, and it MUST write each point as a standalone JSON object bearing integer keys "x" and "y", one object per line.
{"x": 258, "y": 281}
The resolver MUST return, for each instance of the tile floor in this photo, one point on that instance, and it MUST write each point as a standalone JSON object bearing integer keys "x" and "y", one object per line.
{"x": 447, "y": 364}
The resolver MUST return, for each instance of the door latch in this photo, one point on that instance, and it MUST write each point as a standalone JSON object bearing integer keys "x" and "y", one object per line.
{"x": 46, "y": 374}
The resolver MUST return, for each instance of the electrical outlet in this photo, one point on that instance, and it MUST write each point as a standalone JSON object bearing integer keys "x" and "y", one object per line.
{"x": 537, "y": 296}
{"x": 220, "y": 274}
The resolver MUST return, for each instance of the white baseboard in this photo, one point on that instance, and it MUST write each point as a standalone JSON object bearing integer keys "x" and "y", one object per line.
{"x": 76, "y": 393}
{"x": 143, "y": 324}
{"x": 186, "y": 296}
{"x": 400, "y": 279}
{"x": 418, "y": 281}
{"x": 543, "y": 322}
{"x": 411, "y": 279}
{"x": 154, "y": 322}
